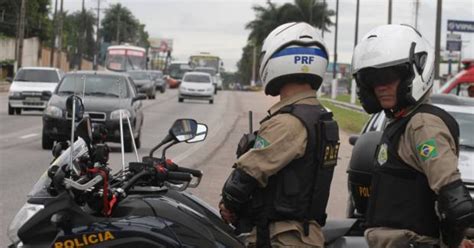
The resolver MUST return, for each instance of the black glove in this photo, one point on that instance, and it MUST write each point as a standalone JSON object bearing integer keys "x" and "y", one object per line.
{"x": 451, "y": 236}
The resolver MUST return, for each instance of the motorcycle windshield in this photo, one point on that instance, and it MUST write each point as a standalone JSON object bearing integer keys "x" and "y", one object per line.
{"x": 39, "y": 193}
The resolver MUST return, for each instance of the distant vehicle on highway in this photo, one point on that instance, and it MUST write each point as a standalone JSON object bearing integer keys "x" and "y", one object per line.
{"x": 124, "y": 58}
{"x": 215, "y": 80}
{"x": 144, "y": 83}
{"x": 197, "y": 85}
{"x": 31, "y": 88}
{"x": 176, "y": 70}
{"x": 160, "y": 83}
{"x": 205, "y": 59}
{"x": 105, "y": 95}
{"x": 460, "y": 82}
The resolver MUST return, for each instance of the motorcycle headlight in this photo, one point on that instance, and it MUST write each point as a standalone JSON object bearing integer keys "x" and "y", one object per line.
{"x": 26, "y": 212}
{"x": 53, "y": 111}
{"x": 115, "y": 115}
{"x": 14, "y": 93}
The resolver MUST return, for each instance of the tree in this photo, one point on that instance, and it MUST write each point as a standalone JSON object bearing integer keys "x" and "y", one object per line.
{"x": 271, "y": 16}
{"x": 119, "y": 25}
{"x": 73, "y": 39}
{"x": 38, "y": 23}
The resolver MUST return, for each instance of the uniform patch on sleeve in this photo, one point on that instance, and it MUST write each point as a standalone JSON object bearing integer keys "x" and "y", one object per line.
{"x": 260, "y": 142}
{"x": 427, "y": 149}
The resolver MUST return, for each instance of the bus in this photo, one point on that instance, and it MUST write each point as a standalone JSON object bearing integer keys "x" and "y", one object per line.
{"x": 203, "y": 60}
{"x": 124, "y": 58}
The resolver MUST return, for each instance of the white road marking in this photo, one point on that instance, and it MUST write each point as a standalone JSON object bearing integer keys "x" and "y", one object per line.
{"x": 29, "y": 135}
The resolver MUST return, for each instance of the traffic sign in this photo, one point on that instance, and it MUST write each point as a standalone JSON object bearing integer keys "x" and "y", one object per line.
{"x": 461, "y": 26}
{"x": 453, "y": 42}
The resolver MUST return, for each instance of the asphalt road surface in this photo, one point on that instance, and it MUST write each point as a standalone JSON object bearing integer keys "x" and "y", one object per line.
{"x": 22, "y": 160}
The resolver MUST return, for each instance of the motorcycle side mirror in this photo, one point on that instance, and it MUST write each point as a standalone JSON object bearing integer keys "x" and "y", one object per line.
{"x": 57, "y": 149}
{"x": 183, "y": 129}
{"x": 74, "y": 102}
{"x": 84, "y": 130}
{"x": 353, "y": 139}
{"x": 201, "y": 134}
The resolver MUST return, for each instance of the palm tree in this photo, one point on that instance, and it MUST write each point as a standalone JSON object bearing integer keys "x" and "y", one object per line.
{"x": 310, "y": 11}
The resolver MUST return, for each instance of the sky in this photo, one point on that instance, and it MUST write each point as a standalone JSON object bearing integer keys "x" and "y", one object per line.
{"x": 218, "y": 26}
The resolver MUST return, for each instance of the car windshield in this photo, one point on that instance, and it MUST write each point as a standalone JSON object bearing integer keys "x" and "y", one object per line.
{"x": 139, "y": 75}
{"x": 98, "y": 85}
{"x": 197, "y": 78}
{"x": 35, "y": 75}
{"x": 466, "y": 128}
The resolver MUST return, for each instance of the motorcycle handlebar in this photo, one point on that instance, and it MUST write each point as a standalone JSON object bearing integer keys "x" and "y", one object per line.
{"x": 195, "y": 173}
{"x": 179, "y": 176}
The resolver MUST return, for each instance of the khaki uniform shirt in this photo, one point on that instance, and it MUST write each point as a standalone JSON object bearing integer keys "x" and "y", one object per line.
{"x": 281, "y": 139}
{"x": 438, "y": 163}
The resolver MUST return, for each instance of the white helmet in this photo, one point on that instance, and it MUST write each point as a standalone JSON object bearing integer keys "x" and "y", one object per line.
{"x": 292, "y": 52}
{"x": 399, "y": 48}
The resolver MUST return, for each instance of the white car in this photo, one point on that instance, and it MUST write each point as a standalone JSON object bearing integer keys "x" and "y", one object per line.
{"x": 31, "y": 88}
{"x": 197, "y": 85}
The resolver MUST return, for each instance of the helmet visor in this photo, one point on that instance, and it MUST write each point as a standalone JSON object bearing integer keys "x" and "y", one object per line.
{"x": 372, "y": 77}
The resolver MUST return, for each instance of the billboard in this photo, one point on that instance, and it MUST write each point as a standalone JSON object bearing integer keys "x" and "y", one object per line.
{"x": 461, "y": 26}
{"x": 161, "y": 44}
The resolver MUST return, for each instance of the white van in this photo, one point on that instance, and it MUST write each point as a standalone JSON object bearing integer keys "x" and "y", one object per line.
{"x": 32, "y": 87}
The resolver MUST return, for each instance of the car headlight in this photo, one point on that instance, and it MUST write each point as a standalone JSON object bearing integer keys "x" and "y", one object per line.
{"x": 14, "y": 93}
{"x": 26, "y": 212}
{"x": 53, "y": 111}
{"x": 115, "y": 115}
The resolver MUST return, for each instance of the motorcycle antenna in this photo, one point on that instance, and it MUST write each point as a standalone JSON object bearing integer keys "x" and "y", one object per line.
{"x": 250, "y": 122}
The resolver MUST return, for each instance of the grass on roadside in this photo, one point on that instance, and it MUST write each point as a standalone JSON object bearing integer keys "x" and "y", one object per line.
{"x": 349, "y": 120}
{"x": 344, "y": 98}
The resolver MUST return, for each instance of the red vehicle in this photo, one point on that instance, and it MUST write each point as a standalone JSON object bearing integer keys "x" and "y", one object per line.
{"x": 460, "y": 82}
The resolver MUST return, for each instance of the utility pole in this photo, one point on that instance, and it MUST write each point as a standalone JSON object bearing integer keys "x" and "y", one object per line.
{"x": 53, "y": 38}
{"x": 254, "y": 62}
{"x": 97, "y": 51}
{"x": 60, "y": 36}
{"x": 437, "y": 39}
{"x": 117, "y": 34}
{"x": 356, "y": 38}
{"x": 334, "y": 73}
{"x": 21, "y": 34}
{"x": 389, "y": 11}
{"x": 323, "y": 17}
{"x": 82, "y": 40}
{"x": 417, "y": 7}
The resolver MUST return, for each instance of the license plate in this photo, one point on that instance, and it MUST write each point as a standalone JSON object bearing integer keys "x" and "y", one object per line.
{"x": 32, "y": 99}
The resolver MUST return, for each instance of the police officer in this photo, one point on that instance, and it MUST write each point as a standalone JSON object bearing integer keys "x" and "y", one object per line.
{"x": 280, "y": 186}
{"x": 416, "y": 191}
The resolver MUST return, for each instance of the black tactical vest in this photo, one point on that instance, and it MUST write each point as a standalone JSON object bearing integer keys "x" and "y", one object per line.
{"x": 300, "y": 190}
{"x": 400, "y": 195}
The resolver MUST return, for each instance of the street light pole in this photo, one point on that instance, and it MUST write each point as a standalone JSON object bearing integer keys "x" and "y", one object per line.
{"x": 353, "y": 82}
{"x": 97, "y": 51}
{"x": 21, "y": 34}
{"x": 334, "y": 73}
{"x": 389, "y": 11}
{"x": 53, "y": 38}
{"x": 60, "y": 34}
{"x": 437, "y": 39}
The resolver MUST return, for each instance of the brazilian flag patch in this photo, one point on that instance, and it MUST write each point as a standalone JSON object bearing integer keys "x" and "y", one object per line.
{"x": 427, "y": 149}
{"x": 260, "y": 142}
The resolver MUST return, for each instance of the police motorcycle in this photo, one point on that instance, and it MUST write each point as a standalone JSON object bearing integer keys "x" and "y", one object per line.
{"x": 79, "y": 202}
